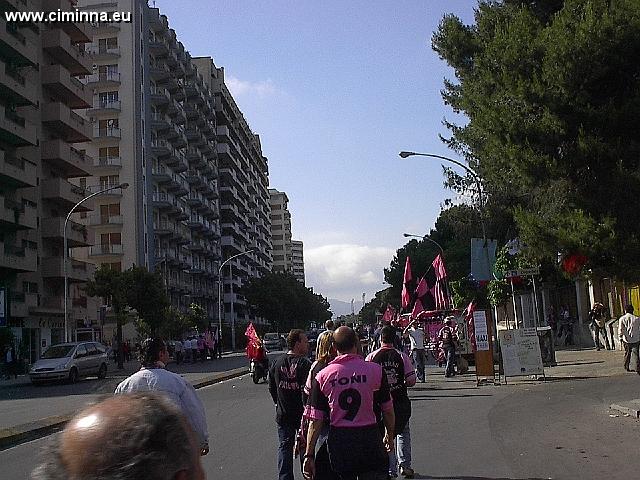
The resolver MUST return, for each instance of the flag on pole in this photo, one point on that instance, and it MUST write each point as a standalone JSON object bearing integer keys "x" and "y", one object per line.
{"x": 439, "y": 288}
{"x": 422, "y": 288}
{"x": 389, "y": 314}
{"x": 251, "y": 333}
{"x": 406, "y": 295}
{"x": 417, "y": 309}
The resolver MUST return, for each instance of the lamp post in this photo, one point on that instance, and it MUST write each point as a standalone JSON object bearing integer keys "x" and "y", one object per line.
{"x": 220, "y": 291}
{"x": 425, "y": 237}
{"x": 66, "y": 253}
{"x": 475, "y": 176}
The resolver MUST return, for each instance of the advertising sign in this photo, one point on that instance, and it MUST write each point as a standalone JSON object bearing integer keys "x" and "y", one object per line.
{"x": 481, "y": 332}
{"x": 521, "y": 352}
{"x": 4, "y": 307}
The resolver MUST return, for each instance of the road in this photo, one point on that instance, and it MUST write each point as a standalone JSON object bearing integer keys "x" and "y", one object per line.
{"x": 557, "y": 430}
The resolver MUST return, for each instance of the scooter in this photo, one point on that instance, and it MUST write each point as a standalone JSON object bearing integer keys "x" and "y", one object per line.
{"x": 257, "y": 371}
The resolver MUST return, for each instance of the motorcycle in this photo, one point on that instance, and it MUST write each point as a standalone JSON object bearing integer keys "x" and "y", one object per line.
{"x": 258, "y": 371}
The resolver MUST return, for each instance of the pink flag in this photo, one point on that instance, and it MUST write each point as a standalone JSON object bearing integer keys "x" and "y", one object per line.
{"x": 389, "y": 314}
{"x": 417, "y": 308}
{"x": 407, "y": 272}
{"x": 406, "y": 296}
{"x": 422, "y": 289}
{"x": 251, "y": 333}
{"x": 438, "y": 267}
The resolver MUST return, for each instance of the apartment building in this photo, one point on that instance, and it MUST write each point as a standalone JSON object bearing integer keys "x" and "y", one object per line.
{"x": 297, "y": 260}
{"x": 280, "y": 231}
{"x": 244, "y": 197}
{"x": 154, "y": 128}
{"x": 39, "y": 127}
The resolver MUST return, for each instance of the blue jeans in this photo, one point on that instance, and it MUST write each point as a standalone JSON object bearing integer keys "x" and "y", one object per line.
{"x": 402, "y": 454}
{"x": 420, "y": 358}
{"x": 287, "y": 437}
{"x": 450, "y": 352}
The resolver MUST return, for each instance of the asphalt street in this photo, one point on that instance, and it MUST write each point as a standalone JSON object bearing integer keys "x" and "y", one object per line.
{"x": 561, "y": 429}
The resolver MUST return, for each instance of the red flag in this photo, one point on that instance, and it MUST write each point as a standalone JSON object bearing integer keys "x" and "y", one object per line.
{"x": 443, "y": 302}
{"x": 422, "y": 289}
{"x": 406, "y": 296}
{"x": 389, "y": 314}
{"x": 417, "y": 308}
{"x": 251, "y": 333}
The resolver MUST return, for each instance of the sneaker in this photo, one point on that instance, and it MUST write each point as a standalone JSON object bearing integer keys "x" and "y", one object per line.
{"x": 407, "y": 472}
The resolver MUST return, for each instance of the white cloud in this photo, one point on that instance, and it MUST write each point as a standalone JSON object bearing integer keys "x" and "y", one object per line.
{"x": 243, "y": 87}
{"x": 345, "y": 271}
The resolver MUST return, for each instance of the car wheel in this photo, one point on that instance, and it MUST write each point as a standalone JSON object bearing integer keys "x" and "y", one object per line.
{"x": 102, "y": 373}
{"x": 73, "y": 375}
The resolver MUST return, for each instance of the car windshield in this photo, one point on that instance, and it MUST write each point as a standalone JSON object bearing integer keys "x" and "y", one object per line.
{"x": 58, "y": 351}
{"x": 271, "y": 336}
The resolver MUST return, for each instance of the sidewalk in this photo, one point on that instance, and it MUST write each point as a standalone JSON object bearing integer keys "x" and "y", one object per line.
{"x": 28, "y": 412}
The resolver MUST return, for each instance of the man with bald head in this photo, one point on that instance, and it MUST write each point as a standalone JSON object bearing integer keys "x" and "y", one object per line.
{"x": 127, "y": 437}
{"x": 346, "y": 395}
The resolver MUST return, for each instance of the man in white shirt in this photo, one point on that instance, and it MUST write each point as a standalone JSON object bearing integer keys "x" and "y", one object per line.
{"x": 178, "y": 349}
{"x": 629, "y": 334}
{"x": 153, "y": 377}
{"x": 418, "y": 352}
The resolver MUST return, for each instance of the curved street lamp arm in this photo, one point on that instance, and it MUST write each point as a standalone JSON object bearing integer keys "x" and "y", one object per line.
{"x": 425, "y": 237}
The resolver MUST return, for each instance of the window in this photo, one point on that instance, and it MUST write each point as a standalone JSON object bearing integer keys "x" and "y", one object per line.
{"x": 113, "y": 238}
{"x": 91, "y": 349}
{"x": 106, "y": 44}
{"x": 106, "y": 153}
{"x": 107, "y": 98}
{"x": 108, "y": 211}
{"x": 277, "y": 237}
{"x": 81, "y": 351}
{"x": 107, "y": 181}
{"x": 278, "y": 258}
{"x": 278, "y": 247}
{"x": 275, "y": 217}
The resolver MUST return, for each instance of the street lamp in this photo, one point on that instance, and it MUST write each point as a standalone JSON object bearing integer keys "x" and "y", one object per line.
{"x": 66, "y": 253}
{"x": 220, "y": 297}
{"x": 425, "y": 237}
{"x": 475, "y": 176}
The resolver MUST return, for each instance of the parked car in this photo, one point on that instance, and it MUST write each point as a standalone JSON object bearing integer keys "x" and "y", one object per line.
{"x": 272, "y": 342}
{"x": 70, "y": 361}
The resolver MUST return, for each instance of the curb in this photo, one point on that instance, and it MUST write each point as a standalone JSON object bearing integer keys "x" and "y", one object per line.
{"x": 12, "y": 436}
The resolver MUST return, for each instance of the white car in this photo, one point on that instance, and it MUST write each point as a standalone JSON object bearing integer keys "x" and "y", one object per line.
{"x": 70, "y": 361}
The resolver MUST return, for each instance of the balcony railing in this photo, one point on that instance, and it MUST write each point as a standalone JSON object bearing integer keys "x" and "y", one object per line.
{"x": 108, "y": 161}
{"x": 106, "y": 132}
{"x": 107, "y": 249}
{"x": 105, "y": 219}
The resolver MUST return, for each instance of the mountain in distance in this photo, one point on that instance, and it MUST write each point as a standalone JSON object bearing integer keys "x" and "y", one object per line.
{"x": 338, "y": 307}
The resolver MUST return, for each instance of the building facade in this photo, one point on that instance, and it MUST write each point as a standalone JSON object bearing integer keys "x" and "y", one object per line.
{"x": 244, "y": 198}
{"x": 40, "y": 128}
{"x": 281, "y": 231}
{"x": 155, "y": 129}
{"x": 297, "y": 260}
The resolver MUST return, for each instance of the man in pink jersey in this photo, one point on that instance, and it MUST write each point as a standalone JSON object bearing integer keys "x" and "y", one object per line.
{"x": 346, "y": 395}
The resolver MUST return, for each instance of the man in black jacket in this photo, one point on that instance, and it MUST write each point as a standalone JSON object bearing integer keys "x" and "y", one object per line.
{"x": 286, "y": 380}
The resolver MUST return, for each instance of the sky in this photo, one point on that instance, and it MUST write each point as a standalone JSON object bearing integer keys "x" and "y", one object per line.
{"x": 336, "y": 89}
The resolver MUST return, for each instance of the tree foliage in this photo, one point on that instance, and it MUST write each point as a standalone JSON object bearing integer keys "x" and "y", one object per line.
{"x": 377, "y": 305}
{"x": 551, "y": 91}
{"x": 285, "y": 302}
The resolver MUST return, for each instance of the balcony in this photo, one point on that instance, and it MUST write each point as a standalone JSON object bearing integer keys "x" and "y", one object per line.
{"x": 19, "y": 259}
{"x": 20, "y": 90}
{"x": 156, "y": 21}
{"x": 159, "y": 122}
{"x": 106, "y": 133}
{"x": 68, "y": 89}
{"x": 104, "y": 107}
{"x": 17, "y": 172}
{"x": 58, "y": 44}
{"x": 162, "y": 200}
{"x": 15, "y": 130}
{"x": 64, "y": 193}
{"x": 114, "y": 192}
{"x": 160, "y": 147}
{"x": 68, "y": 124}
{"x": 17, "y": 215}
{"x": 105, "y": 250}
{"x": 99, "y": 80}
{"x": 159, "y": 71}
{"x": 159, "y": 96}
{"x": 98, "y": 219}
{"x": 53, "y": 228}
{"x": 77, "y": 271}
{"x": 196, "y": 222}
{"x": 102, "y": 52}
{"x": 15, "y": 47}
{"x": 106, "y": 27}
{"x": 22, "y": 303}
{"x": 109, "y": 162}
{"x": 161, "y": 174}
{"x": 195, "y": 200}
{"x": 164, "y": 227}
{"x": 66, "y": 159}
{"x": 76, "y": 31}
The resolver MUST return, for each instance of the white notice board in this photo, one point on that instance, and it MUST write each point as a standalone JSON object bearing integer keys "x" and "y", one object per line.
{"x": 521, "y": 352}
{"x": 480, "y": 328}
